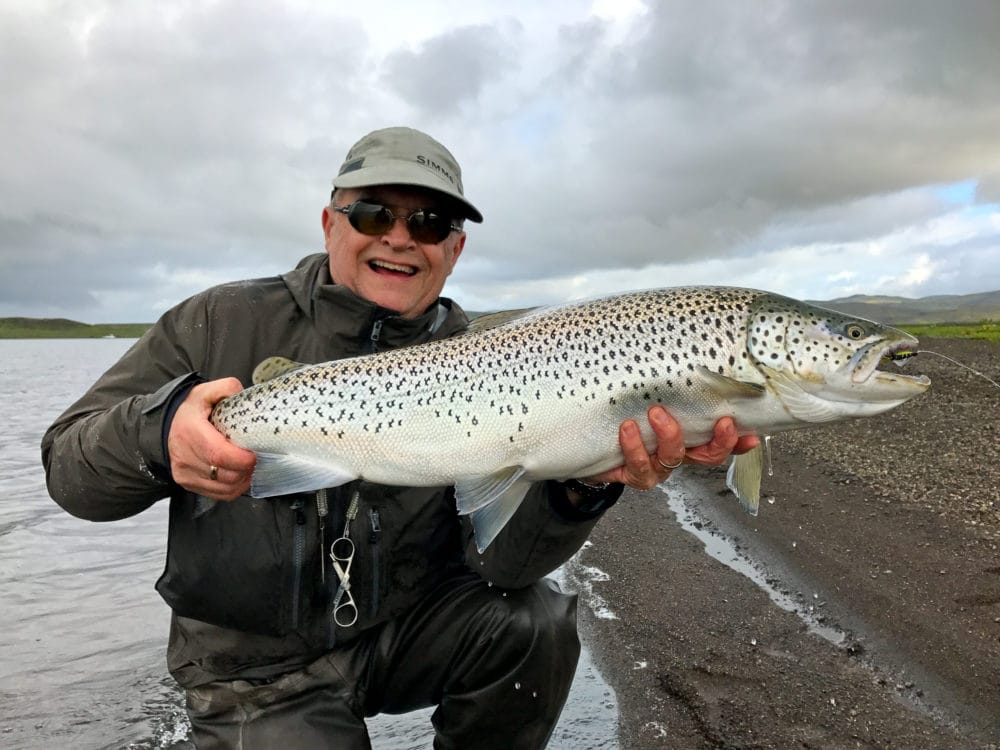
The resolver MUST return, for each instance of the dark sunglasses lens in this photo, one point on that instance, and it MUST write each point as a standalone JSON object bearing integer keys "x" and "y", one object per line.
{"x": 370, "y": 218}
{"x": 429, "y": 227}
{"x": 374, "y": 219}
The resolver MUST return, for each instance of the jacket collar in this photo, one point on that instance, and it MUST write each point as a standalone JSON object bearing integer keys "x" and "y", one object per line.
{"x": 337, "y": 311}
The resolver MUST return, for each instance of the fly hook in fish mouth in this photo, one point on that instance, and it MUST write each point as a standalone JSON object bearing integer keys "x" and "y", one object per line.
{"x": 903, "y": 354}
{"x": 866, "y": 360}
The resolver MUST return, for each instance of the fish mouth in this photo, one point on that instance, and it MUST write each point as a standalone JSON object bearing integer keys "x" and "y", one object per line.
{"x": 385, "y": 266}
{"x": 865, "y": 363}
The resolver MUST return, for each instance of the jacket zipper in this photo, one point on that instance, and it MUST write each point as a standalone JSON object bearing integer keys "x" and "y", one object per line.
{"x": 322, "y": 511}
{"x": 375, "y": 542}
{"x": 371, "y": 346}
{"x": 298, "y": 557}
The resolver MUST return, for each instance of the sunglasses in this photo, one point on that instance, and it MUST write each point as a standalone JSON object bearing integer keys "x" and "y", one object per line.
{"x": 424, "y": 224}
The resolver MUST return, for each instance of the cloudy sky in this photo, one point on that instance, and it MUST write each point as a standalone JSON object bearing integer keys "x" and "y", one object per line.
{"x": 815, "y": 148}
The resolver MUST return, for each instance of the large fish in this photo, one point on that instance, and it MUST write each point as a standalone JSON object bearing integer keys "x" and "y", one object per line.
{"x": 540, "y": 394}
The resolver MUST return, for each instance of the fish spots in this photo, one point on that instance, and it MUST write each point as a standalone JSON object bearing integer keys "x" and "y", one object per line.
{"x": 504, "y": 383}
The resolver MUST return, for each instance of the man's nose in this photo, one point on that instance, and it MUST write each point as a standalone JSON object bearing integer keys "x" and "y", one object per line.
{"x": 398, "y": 235}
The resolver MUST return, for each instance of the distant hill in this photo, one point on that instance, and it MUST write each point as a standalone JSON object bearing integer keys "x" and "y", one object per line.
{"x": 944, "y": 308}
{"x": 62, "y": 328}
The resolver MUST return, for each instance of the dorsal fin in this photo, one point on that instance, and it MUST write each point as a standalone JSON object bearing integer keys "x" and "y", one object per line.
{"x": 274, "y": 367}
{"x": 487, "y": 321}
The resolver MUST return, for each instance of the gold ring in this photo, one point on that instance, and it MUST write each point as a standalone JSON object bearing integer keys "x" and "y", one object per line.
{"x": 213, "y": 472}
{"x": 668, "y": 467}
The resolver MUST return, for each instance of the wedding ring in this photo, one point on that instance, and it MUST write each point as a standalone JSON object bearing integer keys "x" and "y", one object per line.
{"x": 213, "y": 472}
{"x": 668, "y": 467}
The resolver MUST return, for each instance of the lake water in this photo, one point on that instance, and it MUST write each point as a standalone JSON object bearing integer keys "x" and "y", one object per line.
{"x": 82, "y": 632}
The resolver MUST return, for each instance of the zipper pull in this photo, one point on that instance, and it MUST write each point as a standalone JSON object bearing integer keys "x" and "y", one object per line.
{"x": 322, "y": 508}
{"x": 376, "y": 525}
{"x": 376, "y": 335}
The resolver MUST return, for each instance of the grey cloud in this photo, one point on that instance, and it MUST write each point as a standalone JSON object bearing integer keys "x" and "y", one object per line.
{"x": 150, "y": 119}
{"x": 988, "y": 190}
{"x": 453, "y": 68}
{"x": 718, "y": 123}
{"x": 203, "y": 137}
{"x": 193, "y": 136}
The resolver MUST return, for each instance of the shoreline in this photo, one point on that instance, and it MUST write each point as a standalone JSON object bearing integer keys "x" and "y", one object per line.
{"x": 888, "y": 528}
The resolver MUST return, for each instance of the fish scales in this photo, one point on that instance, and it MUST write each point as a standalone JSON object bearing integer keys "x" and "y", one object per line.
{"x": 542, "y": 396}
{"x": 510, "y": 391}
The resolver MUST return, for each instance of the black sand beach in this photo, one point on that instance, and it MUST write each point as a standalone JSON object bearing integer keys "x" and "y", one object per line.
{"x": 886, "y": 529}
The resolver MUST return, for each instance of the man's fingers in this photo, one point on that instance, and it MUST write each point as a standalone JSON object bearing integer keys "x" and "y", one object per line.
{"x": 670, "y": 450}
{"x": 202, "y": 460}
{"x": 207, "y": 395}
{"x": 720, "y": 447}
{"x": 636, "y": 456}
{"x": 746, "y": 443}
{"x": 644, "y": 470}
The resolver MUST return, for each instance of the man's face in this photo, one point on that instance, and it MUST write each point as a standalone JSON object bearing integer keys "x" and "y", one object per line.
{"x": 392, "y": 269}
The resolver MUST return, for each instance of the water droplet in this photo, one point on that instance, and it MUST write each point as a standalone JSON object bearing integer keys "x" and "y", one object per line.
{"x": 517, "y": 685}
{"x": 534, "y": 693}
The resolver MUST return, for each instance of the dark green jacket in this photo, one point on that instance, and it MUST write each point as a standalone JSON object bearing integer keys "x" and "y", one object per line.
{"x": 249, "y": 585}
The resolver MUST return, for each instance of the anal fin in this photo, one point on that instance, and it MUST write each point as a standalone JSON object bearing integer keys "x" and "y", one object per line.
{"x": 490, "y": 519}
{"x": 490, "y": 501}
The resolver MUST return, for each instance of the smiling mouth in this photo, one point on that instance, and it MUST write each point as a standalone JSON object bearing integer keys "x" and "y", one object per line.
{"x": 384, "y": 266}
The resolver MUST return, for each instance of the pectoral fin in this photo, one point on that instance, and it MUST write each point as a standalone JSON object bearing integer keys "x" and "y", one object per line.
{"x": 743, "y": 478}
{"x": 281, "y": 474}
{"x": 799, "y": 403}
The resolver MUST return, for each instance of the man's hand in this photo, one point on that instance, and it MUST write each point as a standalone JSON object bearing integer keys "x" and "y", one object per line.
{"x": 644, "y": 470}
{"x": 201, "y": 459}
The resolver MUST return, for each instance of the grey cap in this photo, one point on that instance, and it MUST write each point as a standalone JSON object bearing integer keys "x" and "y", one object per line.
{"x": 404, "y": 156}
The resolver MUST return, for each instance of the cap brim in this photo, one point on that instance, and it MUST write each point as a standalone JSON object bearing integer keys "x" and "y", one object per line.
{"x": 406, "y": 173}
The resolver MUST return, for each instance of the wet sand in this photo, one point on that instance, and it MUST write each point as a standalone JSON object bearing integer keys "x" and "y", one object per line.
{"x": 887, "y": 529}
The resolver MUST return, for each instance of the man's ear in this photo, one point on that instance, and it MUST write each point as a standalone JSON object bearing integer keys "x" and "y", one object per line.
{"x": 459, "y": 246}
{"x": 326, "y": 219}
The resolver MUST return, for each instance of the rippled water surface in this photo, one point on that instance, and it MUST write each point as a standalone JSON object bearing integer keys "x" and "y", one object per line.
{"x": 83, "y": 633}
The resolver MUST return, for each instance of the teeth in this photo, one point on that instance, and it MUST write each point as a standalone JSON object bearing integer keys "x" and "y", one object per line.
{"x": 393, "y": 267}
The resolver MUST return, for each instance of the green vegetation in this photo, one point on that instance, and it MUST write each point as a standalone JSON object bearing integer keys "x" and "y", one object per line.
{"x": 986, "y": 329}
{"x": 61, "y": 328}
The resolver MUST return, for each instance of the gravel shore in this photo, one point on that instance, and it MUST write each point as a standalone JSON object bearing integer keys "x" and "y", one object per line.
{"x": 885, "y": 531}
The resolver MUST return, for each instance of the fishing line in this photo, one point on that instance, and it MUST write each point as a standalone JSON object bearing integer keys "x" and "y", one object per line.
{"x": 900, "y": 357}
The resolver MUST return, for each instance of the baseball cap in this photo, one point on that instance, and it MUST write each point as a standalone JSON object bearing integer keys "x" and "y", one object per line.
{"x": 404, "y": 156}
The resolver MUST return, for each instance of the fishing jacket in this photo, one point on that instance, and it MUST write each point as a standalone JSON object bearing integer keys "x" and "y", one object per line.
{"x": 250, "y": 582}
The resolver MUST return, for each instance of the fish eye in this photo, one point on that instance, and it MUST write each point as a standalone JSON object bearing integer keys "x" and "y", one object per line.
{"x": 855, "y": 332}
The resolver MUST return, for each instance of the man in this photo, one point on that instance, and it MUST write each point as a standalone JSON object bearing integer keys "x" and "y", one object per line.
{"x": 296, "y": 617}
